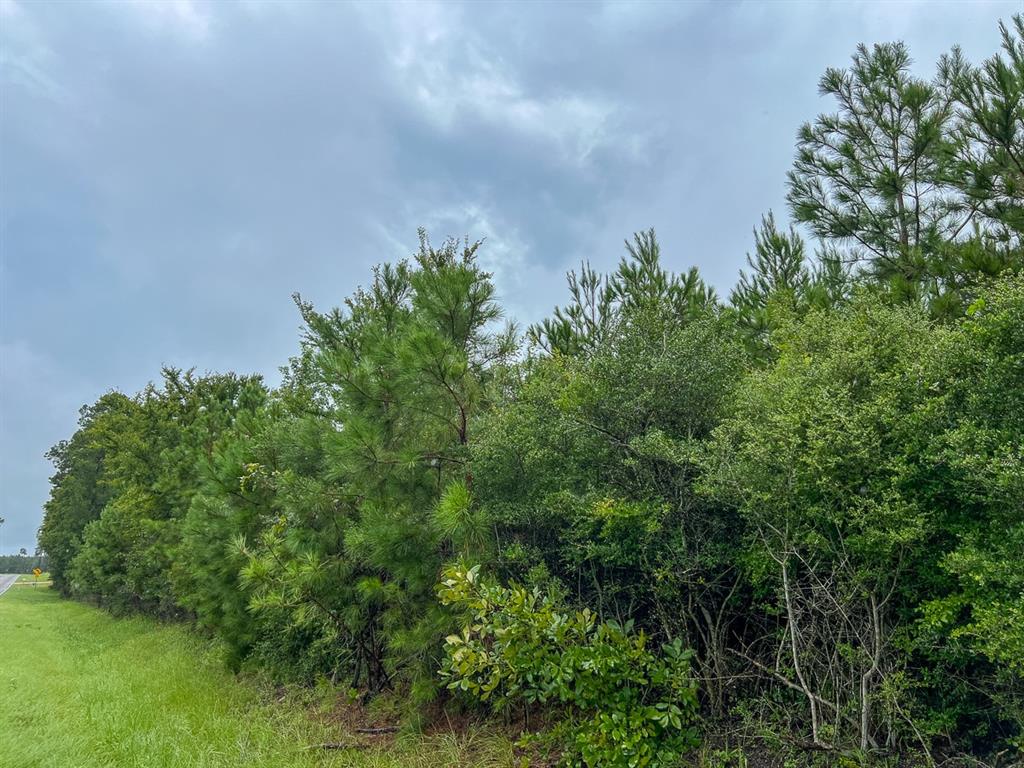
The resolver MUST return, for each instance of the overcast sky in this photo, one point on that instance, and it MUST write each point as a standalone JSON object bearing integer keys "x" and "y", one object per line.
{"x": 172, "y": 171}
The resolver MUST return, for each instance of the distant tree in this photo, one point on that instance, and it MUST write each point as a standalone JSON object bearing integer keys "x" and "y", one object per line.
{"x": 136, "y": 510}
{"x": 78, "y": 491}
{"x": 20, "y": 563}
{"x": 125, "y": 481}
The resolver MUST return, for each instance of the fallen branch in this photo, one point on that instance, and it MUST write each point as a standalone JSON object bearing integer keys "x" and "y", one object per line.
{"x": 375, "y": 731}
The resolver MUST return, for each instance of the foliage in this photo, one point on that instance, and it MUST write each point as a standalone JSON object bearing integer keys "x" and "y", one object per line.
{"x": 154, "y": 448}
{"x": 858, "y": 465}
{"x": 598, "y": 301}
{"x": 229, "y": 507}
{"x": 921, "y": 179}
{"x": 783, "y": 281}
{"x": 989, "y": 166}
{"x": 629, "y": 706}
{"x": 814, "y": 460}
{"x": 359, "y": 536}
{"x": 815, "y": 486}
{"x": 77, "y": 490}
{"x": 972, "y": 474}
{"x": 588, "y": 471}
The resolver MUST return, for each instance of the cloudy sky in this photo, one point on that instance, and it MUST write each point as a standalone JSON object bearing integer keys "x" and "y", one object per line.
{"x": 171, "y": 171}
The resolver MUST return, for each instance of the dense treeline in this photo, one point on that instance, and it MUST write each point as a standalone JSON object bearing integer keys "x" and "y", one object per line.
{"x": 795, "y": 515}
{"x": 22, "y": 563}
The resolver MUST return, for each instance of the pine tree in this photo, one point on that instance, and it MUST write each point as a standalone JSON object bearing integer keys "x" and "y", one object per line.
{"x": 599, "y": 302}
{"x": 403, "y": 369}
{"x": 989, "y": 166}
{"x": 875, "y": 174}
{"x": 919, "y": 181}
{"x": 778, "y": 272}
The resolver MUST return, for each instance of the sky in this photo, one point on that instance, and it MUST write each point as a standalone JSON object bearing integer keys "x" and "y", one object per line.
{"x": 171, "y": 171}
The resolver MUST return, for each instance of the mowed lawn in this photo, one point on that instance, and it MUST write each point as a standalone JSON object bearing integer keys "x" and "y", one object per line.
{"x": 80, "y": 689}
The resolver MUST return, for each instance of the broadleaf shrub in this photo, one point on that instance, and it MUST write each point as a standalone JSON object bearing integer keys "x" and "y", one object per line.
{"x": 625, "y": 704}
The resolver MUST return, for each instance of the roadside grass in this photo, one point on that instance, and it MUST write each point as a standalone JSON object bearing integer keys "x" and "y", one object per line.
{"x": 80, "y": 689}
{"x": 30, "y": 577}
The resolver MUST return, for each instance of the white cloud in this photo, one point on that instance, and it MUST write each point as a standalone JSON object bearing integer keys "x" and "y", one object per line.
{"x": 25, "y": 59}
{"x": 575, "y": 124}
{"x": 504, "y": 253}
{"x": 527, "y": 287}
{"x": 451, "y": 76}
{"x": 186, "y": 18}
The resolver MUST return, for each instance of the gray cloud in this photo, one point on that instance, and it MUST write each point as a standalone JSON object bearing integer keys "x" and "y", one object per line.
{"x": 172, "y": 171}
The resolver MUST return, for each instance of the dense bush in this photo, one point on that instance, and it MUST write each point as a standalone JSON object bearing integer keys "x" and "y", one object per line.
{"x": 815, "y": 488}
{"x": 855, "y": 515}
{"x": 628, "y": 705}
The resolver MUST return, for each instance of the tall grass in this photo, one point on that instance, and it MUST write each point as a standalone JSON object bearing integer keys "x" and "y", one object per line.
{"x": 80, "y": 689}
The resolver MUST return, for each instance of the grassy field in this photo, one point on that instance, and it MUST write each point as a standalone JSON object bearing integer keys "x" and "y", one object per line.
{"x": 80, "y": 689}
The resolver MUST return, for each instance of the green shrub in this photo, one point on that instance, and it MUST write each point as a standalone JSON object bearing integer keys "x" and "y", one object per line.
{"x": 626, "y": 705}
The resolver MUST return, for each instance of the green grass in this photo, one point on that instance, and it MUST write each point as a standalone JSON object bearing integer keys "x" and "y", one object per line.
{"x": 30, "y": 577}
{"x": 80, "y": 689}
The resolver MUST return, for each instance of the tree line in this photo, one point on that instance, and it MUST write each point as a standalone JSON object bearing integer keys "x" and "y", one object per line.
{"x": 22, "y": 562}
{"x": 791, "y": 516}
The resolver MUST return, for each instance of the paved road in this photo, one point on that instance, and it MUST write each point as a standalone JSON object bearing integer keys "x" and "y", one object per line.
{"x": 7, "y": 581}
